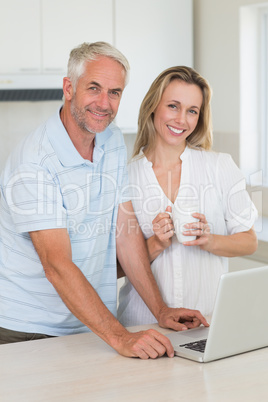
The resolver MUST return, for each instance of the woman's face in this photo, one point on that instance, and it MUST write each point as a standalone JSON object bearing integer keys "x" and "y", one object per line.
{"x": 177, "y": 114}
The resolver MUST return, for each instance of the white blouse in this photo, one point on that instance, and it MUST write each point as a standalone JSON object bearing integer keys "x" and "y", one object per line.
{"x": 187, "y": 276}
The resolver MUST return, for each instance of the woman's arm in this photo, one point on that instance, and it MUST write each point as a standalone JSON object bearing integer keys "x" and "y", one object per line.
{"x": 234, "y": 245}
{"x": 238, "y": 244}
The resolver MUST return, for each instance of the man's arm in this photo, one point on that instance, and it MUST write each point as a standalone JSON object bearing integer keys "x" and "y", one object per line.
{"x": 133, "y": 257}
{"x": 54, "y": 250}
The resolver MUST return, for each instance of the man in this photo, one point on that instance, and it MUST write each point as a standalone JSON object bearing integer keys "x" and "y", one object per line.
{"x": 66, "y": 215}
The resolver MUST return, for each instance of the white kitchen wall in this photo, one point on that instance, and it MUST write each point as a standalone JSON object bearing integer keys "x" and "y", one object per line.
{"x": 217, "y": 57}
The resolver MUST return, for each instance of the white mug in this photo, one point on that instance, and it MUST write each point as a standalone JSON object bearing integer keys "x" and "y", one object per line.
{"x": 181, "y": 215}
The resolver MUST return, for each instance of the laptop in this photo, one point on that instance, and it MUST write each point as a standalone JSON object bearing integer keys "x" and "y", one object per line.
{"x": 239, "y": 322}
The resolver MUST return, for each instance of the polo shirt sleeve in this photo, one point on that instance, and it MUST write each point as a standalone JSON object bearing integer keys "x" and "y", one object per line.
{"x": 123, "y": 191}
{"x": 239, "y": 211}
{"x": 34, "y": 200}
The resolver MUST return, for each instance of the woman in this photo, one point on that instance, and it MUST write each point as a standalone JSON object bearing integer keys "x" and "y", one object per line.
{"x": 173, "y": 163}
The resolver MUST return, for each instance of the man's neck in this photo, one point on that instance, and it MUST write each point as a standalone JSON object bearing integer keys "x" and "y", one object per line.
{"x": 83, "y": 141}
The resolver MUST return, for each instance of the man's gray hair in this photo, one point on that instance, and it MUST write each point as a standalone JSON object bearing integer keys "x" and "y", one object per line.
{"x": 89, "y": 52}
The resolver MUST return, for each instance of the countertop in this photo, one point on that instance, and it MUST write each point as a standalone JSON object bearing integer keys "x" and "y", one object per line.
{"x": 84, "y": 368}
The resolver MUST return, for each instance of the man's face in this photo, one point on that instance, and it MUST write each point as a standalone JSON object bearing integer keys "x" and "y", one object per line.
{"x": 95, "y": 102}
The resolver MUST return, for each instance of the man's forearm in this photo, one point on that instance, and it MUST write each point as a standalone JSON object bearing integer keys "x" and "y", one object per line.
{"x": 154, "y": 248}
{"x": 73, "y": 287}
{"x": 133, "y": 257}
{"x": 84, "y": 303}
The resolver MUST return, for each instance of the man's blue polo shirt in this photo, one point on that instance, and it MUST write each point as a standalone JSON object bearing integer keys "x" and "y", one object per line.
{"x": 46, "y": 184}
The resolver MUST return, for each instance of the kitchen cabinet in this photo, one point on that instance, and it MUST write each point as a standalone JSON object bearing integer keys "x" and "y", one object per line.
{"x": 36, "y": 35}
{"x": 67, "y": 23}
{"x": 20, "y": 36}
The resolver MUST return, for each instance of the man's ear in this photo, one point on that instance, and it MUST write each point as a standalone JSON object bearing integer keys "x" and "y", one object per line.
{"x": 67, "y": 88}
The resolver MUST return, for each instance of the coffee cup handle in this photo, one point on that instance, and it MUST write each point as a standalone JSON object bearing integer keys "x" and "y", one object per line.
{"x": 170, "y": 214}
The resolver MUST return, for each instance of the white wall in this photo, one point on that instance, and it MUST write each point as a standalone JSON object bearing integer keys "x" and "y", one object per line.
{"x": 216, "y": 57}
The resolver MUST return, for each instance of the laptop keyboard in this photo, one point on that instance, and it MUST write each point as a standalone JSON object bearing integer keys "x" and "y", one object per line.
{"x": 198, "y": 346}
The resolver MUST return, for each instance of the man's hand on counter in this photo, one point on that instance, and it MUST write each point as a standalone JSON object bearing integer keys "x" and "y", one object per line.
{"x": 151, "y": 343}
{"x": 180, "y": 319}
{"x": 145, "y": 344}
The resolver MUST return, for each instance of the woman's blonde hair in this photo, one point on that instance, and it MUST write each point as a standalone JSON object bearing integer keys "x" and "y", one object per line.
{"x": 201, "y": 137}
